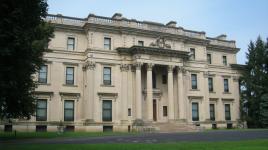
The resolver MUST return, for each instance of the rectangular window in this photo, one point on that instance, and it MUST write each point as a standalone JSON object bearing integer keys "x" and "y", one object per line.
{"x": 68, "y": 110}
{"x": 41, "y": 128}
{"x": 226, "y": 85}
{"x": 140, "y": 43}
{"x": 212, "y": 111}
{"x": 107, "y": 110}
{"x": 107, "y": 43}
{"x": 70, "y": 43}
{"x": 129, "y": 112}
{"x": 41, "y": 110}
{"x": 209, "y": 58}
{"x": 107, "y": 76}
{"x": 224, "y": 60}
{"x": 192, "y": 50}
{"x": 42, "y": 75}
{"x": 165, "y": 113}
{"x": 194, "y": 81}
{"x": 164, "y": 79}
{"x": 227, "y": 112}
{"x": 195, "y": 112}
{"x": 210, "y": 84}
{"x": 70, "y": 75}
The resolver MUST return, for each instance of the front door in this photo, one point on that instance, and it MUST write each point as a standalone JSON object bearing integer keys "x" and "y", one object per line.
{"x": 154, "y": 110}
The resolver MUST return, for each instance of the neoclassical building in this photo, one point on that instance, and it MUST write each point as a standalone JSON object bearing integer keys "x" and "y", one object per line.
{"x": 103, "y": 73}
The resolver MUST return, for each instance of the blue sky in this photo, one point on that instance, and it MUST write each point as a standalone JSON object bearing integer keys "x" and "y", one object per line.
{"x": 240, "y": 20}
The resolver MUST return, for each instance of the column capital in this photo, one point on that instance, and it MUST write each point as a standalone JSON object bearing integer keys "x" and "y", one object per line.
{"x": 170, "y": 68}
{"x": 149, "y": 66}
{"x": 181, "y": 69}
{"x": 124, "y": 67}
{"x": 89, "y": 65}
{"x": 138, "y": 65}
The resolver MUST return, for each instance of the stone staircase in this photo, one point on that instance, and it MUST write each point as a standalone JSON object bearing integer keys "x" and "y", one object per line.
{"x": 171, "y": 127}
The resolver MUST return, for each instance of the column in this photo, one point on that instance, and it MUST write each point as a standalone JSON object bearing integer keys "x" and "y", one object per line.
{"x": 138, "y": 91}
{"x": 171, "y": 114}
{"x": 124, "y": 91}
{"x": 89, "y": 99}
{"x": 149, "y": 93}
{"x": 182, "y": 105}
{"x": 206, "y": 116}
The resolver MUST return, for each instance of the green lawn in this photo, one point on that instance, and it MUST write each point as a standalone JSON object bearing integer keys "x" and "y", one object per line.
{"x": 28, "y": 135}
{"x": 238, "y": 145}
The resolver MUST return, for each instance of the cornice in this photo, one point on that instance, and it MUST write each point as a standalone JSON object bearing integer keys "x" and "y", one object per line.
{"x": 222, "y": 48}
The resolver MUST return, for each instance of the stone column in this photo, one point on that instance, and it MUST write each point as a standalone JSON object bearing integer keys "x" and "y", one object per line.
{"x": 182, "y": 105}
{"x": 171, "y": 113}
{"x": 149, "y": 93}
{"x": 206, "y": 102}
{"x": 138, "y": 91}
{"x": 124, "y": 91}
{"x": 89, "y": 67}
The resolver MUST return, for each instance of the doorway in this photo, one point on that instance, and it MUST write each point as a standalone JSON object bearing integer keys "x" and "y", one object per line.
{"x": 154, "y": 110}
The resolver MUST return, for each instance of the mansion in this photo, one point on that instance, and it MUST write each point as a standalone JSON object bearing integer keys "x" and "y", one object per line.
{"x": 107, "y": 73}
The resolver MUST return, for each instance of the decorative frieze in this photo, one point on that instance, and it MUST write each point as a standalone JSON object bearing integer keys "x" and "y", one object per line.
{"x": 160, "y": 43}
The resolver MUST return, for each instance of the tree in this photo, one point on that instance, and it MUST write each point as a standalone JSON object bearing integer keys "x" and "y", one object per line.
{"x": 24, "y": 36}
{"x": 255, "y": 83}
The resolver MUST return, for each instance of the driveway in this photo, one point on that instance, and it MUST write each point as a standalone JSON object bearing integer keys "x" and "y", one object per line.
{"x": 228, "y": 135}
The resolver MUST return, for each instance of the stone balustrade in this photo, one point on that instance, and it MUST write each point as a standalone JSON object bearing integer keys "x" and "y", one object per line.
{"x": 132, "y": 23}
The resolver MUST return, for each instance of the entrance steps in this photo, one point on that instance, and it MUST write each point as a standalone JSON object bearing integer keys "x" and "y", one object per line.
{"x": 171, "y": 127}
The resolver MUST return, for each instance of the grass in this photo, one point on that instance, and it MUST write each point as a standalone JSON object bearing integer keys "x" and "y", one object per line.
{"x": 31, "y": 135}
{"x": 237, "y": 145}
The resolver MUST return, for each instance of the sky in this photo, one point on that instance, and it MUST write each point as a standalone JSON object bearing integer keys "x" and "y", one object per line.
{"x": 240, "y": 20}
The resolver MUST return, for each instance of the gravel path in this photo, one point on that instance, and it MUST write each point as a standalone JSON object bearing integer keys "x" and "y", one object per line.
{"x": 229, "y": 135}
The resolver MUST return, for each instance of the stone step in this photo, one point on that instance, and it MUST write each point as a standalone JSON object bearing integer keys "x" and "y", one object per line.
{"x": 174, "y": 127}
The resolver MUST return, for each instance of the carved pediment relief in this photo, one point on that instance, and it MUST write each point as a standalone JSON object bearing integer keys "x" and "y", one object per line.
{"x": 160, "y": 43}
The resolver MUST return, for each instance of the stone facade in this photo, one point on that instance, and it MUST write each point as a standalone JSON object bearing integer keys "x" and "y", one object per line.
{"x": 120, "y": 70}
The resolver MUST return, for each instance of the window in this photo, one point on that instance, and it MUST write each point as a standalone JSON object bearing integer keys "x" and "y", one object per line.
{"x": 195, "y": 113}
{"x": 165, "y": 113}
{"x": 42, "y": 75}
{"x": 70, "y": 43}
{"x": 226, "y": 85}
{"x": 70, "y": 75}
{"x": 107, "y": 110}
{"x": 192, "y": 50}
{"x": 68, "y": 110}
{"x": 107, "y": 76}
{"x": 107, "y": 43}
{"x": 129, "y": 112}
{"x": 210, "y": 84}
{"x": 140, "y": 43}
{"x": 41, "y": 110}
{"x": 194, "y": 81}
{"x": 209, "y": 58}
{"x": 227, "y": 112}
{"x": 212, "y": 111}
{"x": 164, "y": 79}
{"x": 224, "y": 60}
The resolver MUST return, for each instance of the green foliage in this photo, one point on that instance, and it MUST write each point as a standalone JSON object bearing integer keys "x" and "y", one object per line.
{"x": 23, "y": 39}
{"x": 255, "y": 83}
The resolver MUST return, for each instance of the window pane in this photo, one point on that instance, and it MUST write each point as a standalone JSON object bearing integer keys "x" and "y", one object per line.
{"x": 107, "y": 110}
{"x": 107, "y": 43}
{"x": 195, "y": 113}
{"x": 70, "y": 70}
{"x": 107, "y": 70}
{"x": 69, "y": 104}
{"x": 194, "y": 81}
{"x": 41, "y": 104}
{"x": 70, "y": 43}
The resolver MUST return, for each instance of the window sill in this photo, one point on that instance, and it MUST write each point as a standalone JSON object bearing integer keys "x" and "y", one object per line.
{"x": 104, "y": 85}
{"x": 70, "y": 85}
{"x": 226, "y": 93}
{"x": 43, "y": 84}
